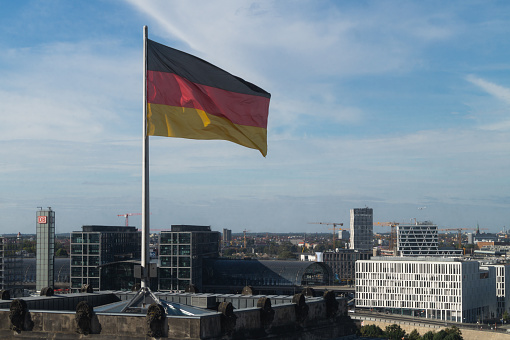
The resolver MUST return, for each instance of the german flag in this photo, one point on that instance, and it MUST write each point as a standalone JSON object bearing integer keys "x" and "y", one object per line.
{"x": 188, "y": 97}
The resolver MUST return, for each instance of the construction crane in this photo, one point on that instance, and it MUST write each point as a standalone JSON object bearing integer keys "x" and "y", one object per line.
{"x": 244, "y": 232}
{"x": 127, "y": 217}
{"x": 393, "y": 233}
{"x": 334, "y": 229}
{"x": 459, "y": 233}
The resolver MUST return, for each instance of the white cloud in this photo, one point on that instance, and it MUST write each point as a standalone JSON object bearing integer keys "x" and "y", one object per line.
{"x": 493, "y": 89}
{"x": 71, "y": 92}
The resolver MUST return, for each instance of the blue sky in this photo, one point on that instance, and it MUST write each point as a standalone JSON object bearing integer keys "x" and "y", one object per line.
{"x": 394, "y": 105}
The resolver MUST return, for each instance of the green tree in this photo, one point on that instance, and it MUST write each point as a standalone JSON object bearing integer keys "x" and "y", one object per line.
{"x": 61, "y": 252}
{"x": 506, "y": 316}
{"x": 371, "y": 331}
{"x": 286, "y": 254}
{"x": 440, "y": 335}
{"x": 428, "y": 336}
{"x": 394, "y": 332}
{"x": 453, "y": 333}
{"x": 29, "y": 246}
{"x": 414, "y": 335}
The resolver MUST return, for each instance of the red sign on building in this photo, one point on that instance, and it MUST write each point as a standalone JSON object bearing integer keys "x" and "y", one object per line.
{"x": 41, "y": 219}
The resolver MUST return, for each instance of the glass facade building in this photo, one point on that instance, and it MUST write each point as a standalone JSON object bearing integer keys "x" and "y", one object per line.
{"x": 96, "y": 246}
{"x": 181, "y": 254}
{"x": 45, "y": 253}
{"x": 11, "y": 263}
{"x": 362, "y": 228}
{"x": 274, "y": 277}
{"x": 343, "y": 263}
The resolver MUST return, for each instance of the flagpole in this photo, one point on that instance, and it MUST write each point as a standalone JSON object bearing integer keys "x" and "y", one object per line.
{"x": 145, "y": 280}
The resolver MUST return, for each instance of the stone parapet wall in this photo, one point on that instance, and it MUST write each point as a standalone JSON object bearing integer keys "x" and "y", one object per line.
{"x": 287, "y": 321}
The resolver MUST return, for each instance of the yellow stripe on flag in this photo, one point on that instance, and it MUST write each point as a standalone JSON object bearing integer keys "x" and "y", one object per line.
{"x": 173, "y": 121}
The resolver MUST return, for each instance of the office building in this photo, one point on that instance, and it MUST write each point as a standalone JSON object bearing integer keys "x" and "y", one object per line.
{"x": 502, "y": 288}
{"x": 103, "y": 256}
{"x": 227, "y": 237}
{"x": 181, "y": 254}
{"x": 343, "y": 263}
{"x": 421, "y": 239}
{"x": 440, "y": 288}
{"x": 11, "y": 263}
{"x": 362, "y": 229}
{"x": 45, "y": 253}
{"x": 417, "y": 239}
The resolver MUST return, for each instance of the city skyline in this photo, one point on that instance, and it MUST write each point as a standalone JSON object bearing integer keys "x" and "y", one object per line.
{"x": 400, "y": 107}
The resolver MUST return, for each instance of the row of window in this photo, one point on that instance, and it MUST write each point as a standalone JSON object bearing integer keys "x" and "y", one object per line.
{"x": 389, "y": 301}
{"x": 175, "y": 261}
{"x": 84, "y": 260}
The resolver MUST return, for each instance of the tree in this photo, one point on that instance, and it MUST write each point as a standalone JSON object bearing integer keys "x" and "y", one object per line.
{"x": 414, "y": 335}
{"x": 371, "y": 331}
{"x": 286, "y": 254}
{"x": 428, "y": 336}
{"x": 440, "y": 335}
{"x": 62, "y": 252}
{"x": 453, "y": 333}
{"x": 506, "y": 316}
{"x": 394, "y": 332}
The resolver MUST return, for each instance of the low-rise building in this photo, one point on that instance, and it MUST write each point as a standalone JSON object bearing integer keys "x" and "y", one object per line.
{"x": 440, "y": 288}
{"x": 343, "y": 263}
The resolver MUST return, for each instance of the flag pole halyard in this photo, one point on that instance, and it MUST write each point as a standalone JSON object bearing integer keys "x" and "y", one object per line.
{"x": 145, "y": 280}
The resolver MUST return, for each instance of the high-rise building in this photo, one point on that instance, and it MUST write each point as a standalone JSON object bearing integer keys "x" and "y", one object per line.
{"x": 11, "y": 263}
{"x": 45, "y": 253}
{"x": 181, "y": 254}
{"x": 362, "y": 228}
{"x": 96, "y": 246}
{"x": 227, "y": 237}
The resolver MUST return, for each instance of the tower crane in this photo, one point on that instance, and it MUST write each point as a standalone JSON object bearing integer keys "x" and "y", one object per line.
{"x": 393, "y": 233}
{"x": 334, "y": 229}
{"x": 459, "y": 233}
{"x": 244, "y": 232}
{"x": 127, "y": 216}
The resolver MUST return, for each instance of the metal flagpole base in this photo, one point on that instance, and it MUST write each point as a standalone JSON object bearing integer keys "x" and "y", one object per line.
{"x": 141, "y": 301}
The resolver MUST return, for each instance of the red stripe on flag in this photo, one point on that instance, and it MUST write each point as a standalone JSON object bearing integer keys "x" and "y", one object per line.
{"x": 169, "y": 89}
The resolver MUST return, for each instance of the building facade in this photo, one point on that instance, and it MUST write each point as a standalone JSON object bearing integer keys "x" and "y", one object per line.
{"x": 11, "y": 263}
{"x": 502, "y": 288}
{"x": 227, "y": 237}
{"x": 230, "y": 276}
{"x": 343, "y": 263}
{"x": 45, "y": 252}
{"x": 96, "y": 246}
{"x": 181, "y": 254}
{"x": 421, "y": 239}
{"x": 439, "y": 288}
{"x": 362, "y": 229}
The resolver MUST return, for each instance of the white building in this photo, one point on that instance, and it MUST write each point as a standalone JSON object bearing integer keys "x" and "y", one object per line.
{"x": 362, "y": 229}
{"x": 502, "y": 288}
{"x": 432, "y": 287}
